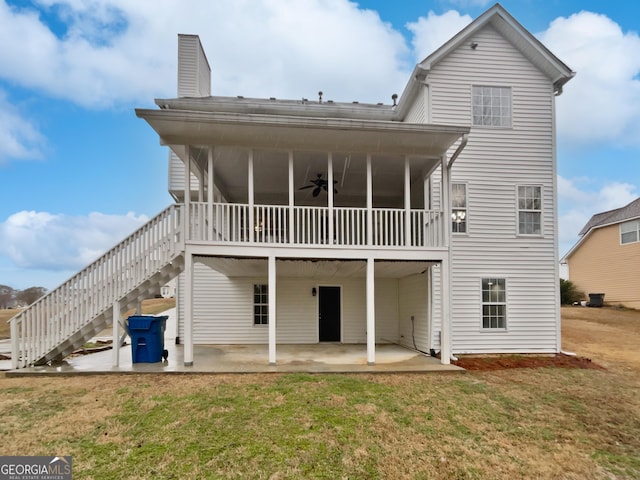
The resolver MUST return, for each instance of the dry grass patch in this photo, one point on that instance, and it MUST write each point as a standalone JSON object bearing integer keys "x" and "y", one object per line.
{"x": 610, "y": 335}
{"x": 5, "y": 315}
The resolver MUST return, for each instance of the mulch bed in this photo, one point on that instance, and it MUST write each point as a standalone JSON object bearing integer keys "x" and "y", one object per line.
{"x": 503, "y": 362}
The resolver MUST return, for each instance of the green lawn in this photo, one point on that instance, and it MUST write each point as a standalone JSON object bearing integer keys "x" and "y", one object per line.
{"x": 547, "y": 423}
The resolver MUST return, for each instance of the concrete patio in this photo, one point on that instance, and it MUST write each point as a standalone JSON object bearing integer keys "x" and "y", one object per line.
{"x": 315, "y": 358}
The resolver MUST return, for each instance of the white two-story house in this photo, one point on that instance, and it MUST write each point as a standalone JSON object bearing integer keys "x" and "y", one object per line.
{"x": 430, "y": 222}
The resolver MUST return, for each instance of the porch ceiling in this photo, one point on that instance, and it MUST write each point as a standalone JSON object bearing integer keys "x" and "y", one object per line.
{"x": 178, "y": 127}
{"x": 257, "y": 267}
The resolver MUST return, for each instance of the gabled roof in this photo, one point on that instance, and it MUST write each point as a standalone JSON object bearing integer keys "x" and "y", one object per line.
{"x": 604, "y": 219}
{"x": 498, "y": 18}
{"x": 628, "y": 212}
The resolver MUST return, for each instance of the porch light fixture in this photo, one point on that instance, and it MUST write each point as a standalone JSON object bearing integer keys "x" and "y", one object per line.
{"x": 314, "y": 292}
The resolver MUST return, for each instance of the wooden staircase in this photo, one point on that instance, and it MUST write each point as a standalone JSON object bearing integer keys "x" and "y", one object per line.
{"x": 67, "y": 317}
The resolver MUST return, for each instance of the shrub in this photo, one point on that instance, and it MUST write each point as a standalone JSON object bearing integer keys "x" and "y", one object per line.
{"x": 569, "y": 294}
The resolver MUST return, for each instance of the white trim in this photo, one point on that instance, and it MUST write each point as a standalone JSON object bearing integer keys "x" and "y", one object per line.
{"x": 272, "y": 309}
{"x": 506, "y": 305}
{"x": 115, "y": 342}
{"x": 188, "y": 308}
{"x": 371, "y": 312}
{"x": 466, "y": 209}
{"x": 542, "y": 212}
{"x": 251, "y": 194}
{"x": 407, "y": 201}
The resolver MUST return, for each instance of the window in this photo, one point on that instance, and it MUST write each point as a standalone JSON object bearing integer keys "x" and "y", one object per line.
{"x": 494, "y": 303}
{"x": 529, "y": 210}
{"x": 630, "y": 232}
{"x": 260, "y": 304}
{"x": 491, "y": 106}
{"x": 458, "y": 208}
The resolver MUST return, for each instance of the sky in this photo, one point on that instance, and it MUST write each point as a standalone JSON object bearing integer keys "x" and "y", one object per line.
{"x": 79, "y": 171}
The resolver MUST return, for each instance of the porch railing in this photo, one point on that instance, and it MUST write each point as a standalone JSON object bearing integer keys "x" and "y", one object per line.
{"x": 300, "y": 225}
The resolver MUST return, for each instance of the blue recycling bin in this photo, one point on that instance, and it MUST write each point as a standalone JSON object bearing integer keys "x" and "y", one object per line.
{"x": 147, "y": 338}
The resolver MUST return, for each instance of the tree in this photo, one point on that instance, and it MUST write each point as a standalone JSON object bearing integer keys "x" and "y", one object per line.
{"x": 30, "y": 295}
{"x": 569, "y": 293}
{"x": 7, "y": 296}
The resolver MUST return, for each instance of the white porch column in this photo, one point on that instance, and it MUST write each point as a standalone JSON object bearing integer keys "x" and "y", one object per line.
{"x": 115, "y": 342}
{"x": 272, "y": 310}
{"x": 407, "y": 201}
{"x": 445, "y": 270}
{"x": 369, "y": 202}
{"x": 330, "y": 196}
{"x": 210, "y": 192}
{"x": 187, "y": 195}
{"x": 371, "y": 313}
{"x": 252, "y": 224}
{"x": 188, "y": 308}
{"x": 291, "y": 199}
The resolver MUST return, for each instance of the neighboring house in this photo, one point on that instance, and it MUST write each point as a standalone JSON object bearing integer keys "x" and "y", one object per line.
{"x": 430, "y": 223}
{"x": 169, "y": 290}
{"x": 606, "y": 259}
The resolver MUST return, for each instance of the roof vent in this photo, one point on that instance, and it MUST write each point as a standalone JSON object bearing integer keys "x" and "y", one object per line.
{"x": 394, "y": 97}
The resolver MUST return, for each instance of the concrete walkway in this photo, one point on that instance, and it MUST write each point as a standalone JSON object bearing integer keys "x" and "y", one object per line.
{"x": 314, "y": 358}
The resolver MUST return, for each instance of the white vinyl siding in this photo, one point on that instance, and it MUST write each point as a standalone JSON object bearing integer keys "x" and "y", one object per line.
{"x": 386, "y": 306}
{"x": 417, "y": 113}
{"x": 194, "y": 80}
{"x": 630, "y": 232}
{"x": 413, "y": 296}
{"x": 194, "y": 73}
{"x": 492, "y": 164}
{"x": 176, "y": 176}
{"x": 224, "y": 309}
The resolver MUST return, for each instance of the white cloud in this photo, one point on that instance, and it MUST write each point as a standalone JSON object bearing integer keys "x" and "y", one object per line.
{"x": 117, "y": 50}
{"x": 46, "y": 241}
{"x": 600, "y": 105}
{"x": 433, "y": 31}
{"x": 19, "y": 138}
{"x": 581, "y": 199}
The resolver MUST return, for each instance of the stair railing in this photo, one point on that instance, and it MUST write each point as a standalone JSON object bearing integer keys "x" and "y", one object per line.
{"x": 65, "y": 310}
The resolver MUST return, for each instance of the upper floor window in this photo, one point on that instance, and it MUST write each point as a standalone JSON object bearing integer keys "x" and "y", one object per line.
{"x": 491, "y": 106}
{"x": 529, "y": 210}
{"x": 630, "y": 232}
{"x": 458, "y": 208}
{"x": 260, "y": 304}
{"x": 494, "y": 303}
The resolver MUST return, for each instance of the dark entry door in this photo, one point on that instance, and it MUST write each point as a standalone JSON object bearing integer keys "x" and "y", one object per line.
{"x": 329, "y": 314}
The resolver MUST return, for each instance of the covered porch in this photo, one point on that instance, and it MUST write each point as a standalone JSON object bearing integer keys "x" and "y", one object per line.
{"x": 225, "y": 359}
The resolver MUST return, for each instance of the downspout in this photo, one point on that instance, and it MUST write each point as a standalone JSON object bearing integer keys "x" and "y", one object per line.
{"x": 463, "y": 143}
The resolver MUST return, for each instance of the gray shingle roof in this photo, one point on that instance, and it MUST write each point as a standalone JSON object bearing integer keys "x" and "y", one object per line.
{"x": 632, "y": 210}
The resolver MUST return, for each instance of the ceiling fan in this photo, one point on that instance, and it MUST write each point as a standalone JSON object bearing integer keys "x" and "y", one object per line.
{"x": 319, "y": 184}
